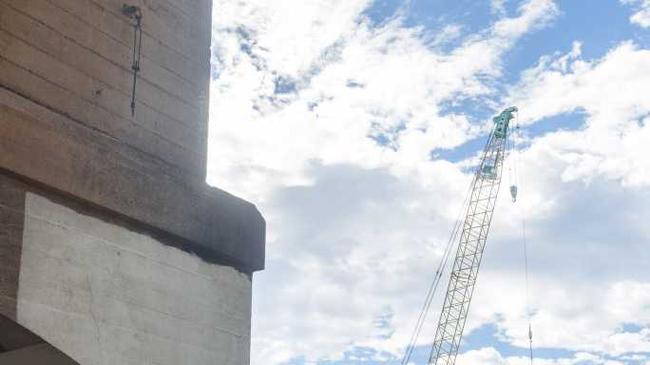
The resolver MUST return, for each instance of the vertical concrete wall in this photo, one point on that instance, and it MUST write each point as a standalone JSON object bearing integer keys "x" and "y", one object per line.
{"x": 85, "y": 186}
{"x": 65, "y": 116}
{"x": 12, "y": 212}
{"x": 75, "y": 57}
{"x": 105, "y": 295}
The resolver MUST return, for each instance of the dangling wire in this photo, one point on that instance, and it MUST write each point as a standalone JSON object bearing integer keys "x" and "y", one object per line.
{"x": 516, "y": 158}
{"x": 135, "y": 13}
{"x": 528, "y": 312}
{"x": 511, "y": 146}
{"x": 516, "y": 143}
{"x": 436, "y": 280}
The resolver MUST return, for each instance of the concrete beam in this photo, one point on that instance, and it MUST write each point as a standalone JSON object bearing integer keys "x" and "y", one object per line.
{"x": 14, "y": 336}
{"x": 42, "y": 354}
{"x": 63, "y": 154}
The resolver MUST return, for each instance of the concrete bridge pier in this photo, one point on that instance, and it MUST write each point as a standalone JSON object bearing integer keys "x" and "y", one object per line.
{"x": 113, "y": 250}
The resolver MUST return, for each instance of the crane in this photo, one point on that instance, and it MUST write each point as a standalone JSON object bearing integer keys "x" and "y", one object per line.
{"x": 474, "y": 231}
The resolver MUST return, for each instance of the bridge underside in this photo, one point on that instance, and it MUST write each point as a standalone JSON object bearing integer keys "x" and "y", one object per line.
{"x": 19, "y": 346}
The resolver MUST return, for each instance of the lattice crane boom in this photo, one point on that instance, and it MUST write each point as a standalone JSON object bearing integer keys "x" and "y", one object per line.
{"x": 475, "y": 228}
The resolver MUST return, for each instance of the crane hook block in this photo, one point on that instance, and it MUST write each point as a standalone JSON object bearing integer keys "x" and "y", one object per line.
{"x": 513, "y": 193}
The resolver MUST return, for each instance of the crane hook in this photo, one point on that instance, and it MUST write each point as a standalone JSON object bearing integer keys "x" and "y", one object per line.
{"x": 513, "y": 193}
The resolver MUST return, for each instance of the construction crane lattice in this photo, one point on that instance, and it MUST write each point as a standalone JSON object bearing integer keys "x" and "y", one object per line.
{"x": 475, "y": 228}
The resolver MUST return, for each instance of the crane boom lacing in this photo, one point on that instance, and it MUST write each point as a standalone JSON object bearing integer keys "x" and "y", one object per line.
{"x": 485, "y": 189}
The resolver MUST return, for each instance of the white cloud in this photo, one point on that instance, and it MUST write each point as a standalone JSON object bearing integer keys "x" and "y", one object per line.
{"x": 611, "y": 92}
{"x": 641, "y": 17}
{"x": 498, "y": 6}
{"x": 490, "y": 356}
{"x": 289, "y": 36}
{"x": 354, "y": 82}
{"x": 356, "y": 226}
{"x": 588, "y": 183}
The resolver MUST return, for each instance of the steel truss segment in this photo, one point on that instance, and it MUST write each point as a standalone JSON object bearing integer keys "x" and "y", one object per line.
{"x": 480, "y": 209}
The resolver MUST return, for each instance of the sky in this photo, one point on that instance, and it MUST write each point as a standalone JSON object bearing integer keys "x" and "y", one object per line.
{"x": 355, "y": 125}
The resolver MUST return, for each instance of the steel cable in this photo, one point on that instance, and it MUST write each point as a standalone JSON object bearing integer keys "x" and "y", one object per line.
{"x": 436, "y": 280}
{"x": 516, "y": 158}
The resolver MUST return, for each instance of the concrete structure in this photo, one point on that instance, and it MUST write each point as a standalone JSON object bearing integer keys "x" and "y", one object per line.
{"x": 113, "y": 250}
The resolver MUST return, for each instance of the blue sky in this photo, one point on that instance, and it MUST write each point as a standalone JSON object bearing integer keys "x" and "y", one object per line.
{"x": 354, "y": 126}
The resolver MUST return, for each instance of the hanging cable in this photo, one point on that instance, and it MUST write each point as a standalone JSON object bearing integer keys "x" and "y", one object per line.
{"x": 135, "y": 13}
{"x": 511, "y": 148}
{"x": 436, "y": 280}
{"x": 516, "y": 158}
{"x": 528, "y": 312}
{"x": 430, "y": 295}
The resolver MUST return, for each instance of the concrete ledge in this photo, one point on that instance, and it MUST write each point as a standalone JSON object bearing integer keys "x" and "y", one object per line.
{"x": 20, "y": 346}
{"x": 46, "y": 146}
{"x": 36, "y": 355}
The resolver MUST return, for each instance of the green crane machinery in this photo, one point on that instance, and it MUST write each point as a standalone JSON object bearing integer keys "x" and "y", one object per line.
{"x": 474, "y": 229}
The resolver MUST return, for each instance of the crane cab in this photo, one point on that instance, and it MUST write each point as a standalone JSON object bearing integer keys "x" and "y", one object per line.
{"x": 502, "y": 121}
{"x": 489, "y": 172}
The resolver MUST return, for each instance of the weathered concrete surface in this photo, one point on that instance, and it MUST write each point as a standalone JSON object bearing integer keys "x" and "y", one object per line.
{"x": 105, "y": 295}
{"x": 19, "y": 346}
{"x": 112, "y": 247}
{"x": 14, "y": 336}
{"x": 42, "y": 354}
{"x": 59, "y": 152}
{"x": 74, "y": 56}
{"x": 12, "y": 205}
{"x": 65, "y": 119}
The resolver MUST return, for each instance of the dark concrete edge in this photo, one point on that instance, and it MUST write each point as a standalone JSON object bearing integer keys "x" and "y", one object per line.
{"x": 14, "y": 337}
{"x": 12, "y": 227}
{"x": 203, "y": 220}
{"x": 108, "y": 216}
